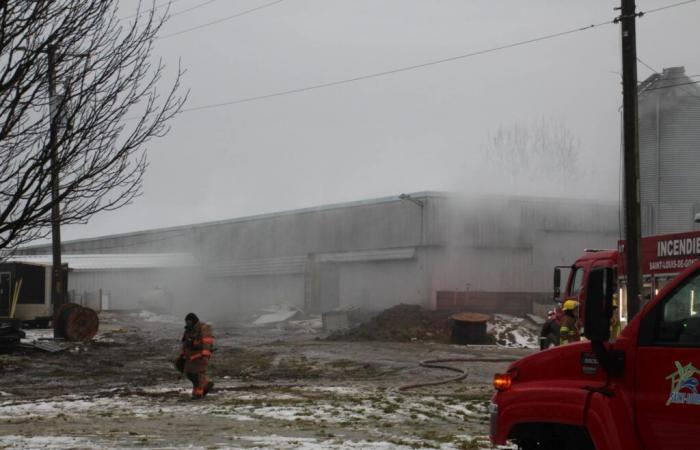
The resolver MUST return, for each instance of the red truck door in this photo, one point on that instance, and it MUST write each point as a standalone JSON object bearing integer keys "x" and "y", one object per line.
{"x": 667, "y": 403}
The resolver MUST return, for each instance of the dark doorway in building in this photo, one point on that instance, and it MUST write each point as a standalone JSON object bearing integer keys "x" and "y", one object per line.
{"x": 329, "y": 286}
{"x": 4, "y": 294}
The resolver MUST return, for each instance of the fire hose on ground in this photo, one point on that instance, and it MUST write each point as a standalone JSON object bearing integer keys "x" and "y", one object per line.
{"x": 437, "y": 364}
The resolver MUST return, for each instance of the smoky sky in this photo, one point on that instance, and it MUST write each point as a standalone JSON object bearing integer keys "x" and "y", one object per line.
{"x": 424, "y": 129}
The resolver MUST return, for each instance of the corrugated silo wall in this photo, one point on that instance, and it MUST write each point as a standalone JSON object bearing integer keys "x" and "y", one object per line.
{"x": 503, "y": 251}
{"x": 669, "y": 151}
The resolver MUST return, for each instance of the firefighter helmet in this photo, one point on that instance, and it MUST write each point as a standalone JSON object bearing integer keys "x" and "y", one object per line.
{"x": 569, "y": 305}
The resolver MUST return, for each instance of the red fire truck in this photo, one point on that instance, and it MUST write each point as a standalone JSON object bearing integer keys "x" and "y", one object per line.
{"x": 638, "y": 392}
{"x": 663, "y": 258}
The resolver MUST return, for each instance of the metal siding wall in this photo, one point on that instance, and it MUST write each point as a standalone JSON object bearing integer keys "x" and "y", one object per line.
{"x": 512, "y": 245}
{"x": 386, "y": 224}
{"x": 229, "y": 298}
{"x": 495, "y": 244}
{"x": 129, "y": 289}
{"x": 379, "y": 285}
{"x": 484, "y": 269}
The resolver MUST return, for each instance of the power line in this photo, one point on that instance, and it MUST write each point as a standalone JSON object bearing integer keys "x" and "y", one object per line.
{"x": 398, "y": 70}
{"x": 415, "y": 66}
{"x": 156, "y": 7}
{"x": 667, "y": 7}
{"x": 647, "y": 66}
{"x": 656, "y": 71}
{"x": 672, "y": 85}
{"x": 192, "y": 8}
{"x": 224, "y": 19}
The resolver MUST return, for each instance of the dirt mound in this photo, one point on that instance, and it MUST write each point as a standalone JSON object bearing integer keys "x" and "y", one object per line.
{"x": 401, "y": 323}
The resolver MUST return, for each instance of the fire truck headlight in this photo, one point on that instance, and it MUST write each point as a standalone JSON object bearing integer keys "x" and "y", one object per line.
{"x": 502, "y": 381}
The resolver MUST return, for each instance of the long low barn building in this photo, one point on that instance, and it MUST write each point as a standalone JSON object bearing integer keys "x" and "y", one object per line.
{"x": 370, "y": 254}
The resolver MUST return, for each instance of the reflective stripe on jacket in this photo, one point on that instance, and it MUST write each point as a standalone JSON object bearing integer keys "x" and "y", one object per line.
{"x": 568, "y": 332}
{"x": 197, "y": 342}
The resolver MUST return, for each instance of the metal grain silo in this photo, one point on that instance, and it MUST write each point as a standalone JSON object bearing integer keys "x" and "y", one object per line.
{"x": 669, "y": 151}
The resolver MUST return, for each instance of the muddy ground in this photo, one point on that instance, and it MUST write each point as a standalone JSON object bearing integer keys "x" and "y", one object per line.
{"x": 275, "y": 388}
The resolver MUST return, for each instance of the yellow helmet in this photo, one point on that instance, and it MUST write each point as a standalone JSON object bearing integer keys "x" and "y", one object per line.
{"x": 569, "y": 305}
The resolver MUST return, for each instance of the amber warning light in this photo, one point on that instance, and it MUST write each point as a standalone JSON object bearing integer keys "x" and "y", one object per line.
{"x": 502, "y": 381}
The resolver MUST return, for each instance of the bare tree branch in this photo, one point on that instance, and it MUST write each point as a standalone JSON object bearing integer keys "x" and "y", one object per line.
{"x": 544, "y": 147}
{"x": 109, "y": 107}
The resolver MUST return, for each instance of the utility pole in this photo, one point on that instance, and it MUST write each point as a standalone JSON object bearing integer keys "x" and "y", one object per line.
{"x": 57, "y": 288}
{"x": 631, "y": 156}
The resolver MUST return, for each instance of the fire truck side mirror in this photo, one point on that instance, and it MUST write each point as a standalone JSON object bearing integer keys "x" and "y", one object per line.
{"x": 557, "y": 283}
{"x": 598, "y": 306}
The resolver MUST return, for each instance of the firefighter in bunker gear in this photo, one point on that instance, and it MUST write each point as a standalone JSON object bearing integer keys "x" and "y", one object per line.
{"x": 615, "y": 326}
{"x": 197, "y": 344}
{"x": 568, "y": 331}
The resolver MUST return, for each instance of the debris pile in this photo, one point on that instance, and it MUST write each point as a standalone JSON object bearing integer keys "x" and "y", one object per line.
{"x": 405, "y": 323}
{"x": 402, "y": 323}
{"x": 277, "y": 314}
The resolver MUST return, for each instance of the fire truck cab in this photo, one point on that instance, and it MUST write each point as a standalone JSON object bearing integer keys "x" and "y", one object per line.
{"x": 640, "y": 391}
{"x": 663, "y": 258}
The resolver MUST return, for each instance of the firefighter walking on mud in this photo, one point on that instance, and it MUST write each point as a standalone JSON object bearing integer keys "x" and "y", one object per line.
{"x": 197, "y": 345}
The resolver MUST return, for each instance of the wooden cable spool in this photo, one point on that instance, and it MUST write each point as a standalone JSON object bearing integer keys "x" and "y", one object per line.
{"x": 76, "y": 323}
{"x": 469, "y": 328}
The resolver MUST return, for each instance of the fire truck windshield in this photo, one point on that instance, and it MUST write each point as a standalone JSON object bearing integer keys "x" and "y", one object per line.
{"x": 576, "y": 281}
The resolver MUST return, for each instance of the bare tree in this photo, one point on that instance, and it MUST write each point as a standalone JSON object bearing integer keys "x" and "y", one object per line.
{"x": 106, "y": 105}
{"x": 544, "y": 147}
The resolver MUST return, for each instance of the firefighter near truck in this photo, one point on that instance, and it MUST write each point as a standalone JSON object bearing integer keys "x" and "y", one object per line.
{"x": 639, "y": 391}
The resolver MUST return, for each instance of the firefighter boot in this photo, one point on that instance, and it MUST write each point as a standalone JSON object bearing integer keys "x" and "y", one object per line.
{"x": 197, "y": 393}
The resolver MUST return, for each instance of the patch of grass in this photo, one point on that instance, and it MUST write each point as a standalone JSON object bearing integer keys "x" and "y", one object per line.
{"x": 390, "y": 408}
{"x": 295, "y": 368}
{"x": 341, "y": 363}
{"x": 471, "y": 444}
{"x": 432, "y": 435}
{"x": 241, "y": 363}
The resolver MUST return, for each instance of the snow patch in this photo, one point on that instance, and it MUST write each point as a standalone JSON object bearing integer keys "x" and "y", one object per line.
{"x": 509, "y": 332}
{"x": 149, "y": 316}
{"x": 46, "y": 442}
